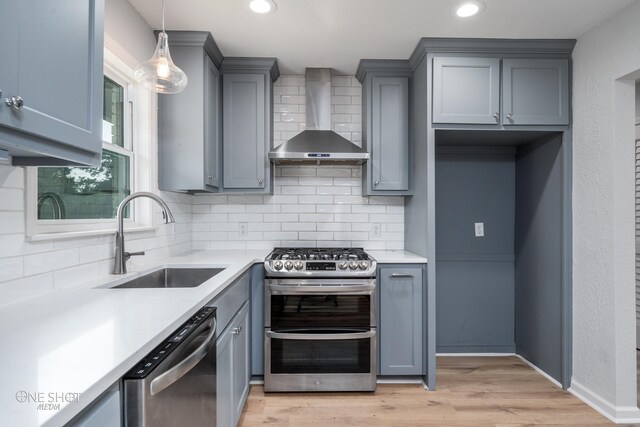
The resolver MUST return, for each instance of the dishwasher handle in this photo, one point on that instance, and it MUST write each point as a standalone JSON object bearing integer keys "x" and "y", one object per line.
{"x": 185, "y": 365}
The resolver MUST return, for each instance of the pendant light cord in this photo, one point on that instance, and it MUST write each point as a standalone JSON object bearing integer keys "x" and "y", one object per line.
{"x": 163, "y": 17}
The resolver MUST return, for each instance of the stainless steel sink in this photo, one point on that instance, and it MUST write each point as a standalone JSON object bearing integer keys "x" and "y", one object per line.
{"x": 171, "y": 278}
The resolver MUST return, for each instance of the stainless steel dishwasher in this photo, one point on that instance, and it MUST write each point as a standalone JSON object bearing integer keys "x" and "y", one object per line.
{"x": 175, "y": 384}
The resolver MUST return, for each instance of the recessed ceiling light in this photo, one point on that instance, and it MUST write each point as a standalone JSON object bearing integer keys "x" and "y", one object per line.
{"x": 469, "y": 8}
{"x": 263, "y": 6}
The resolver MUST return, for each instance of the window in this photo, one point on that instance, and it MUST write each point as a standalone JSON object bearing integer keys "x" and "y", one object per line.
{"x": 71, "y": 193}
{"x": 81, "y": 199}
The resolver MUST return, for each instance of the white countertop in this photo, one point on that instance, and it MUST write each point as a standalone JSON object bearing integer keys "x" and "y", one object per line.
{"x": 83, "y": 339}
{"x": 397, "y": 257}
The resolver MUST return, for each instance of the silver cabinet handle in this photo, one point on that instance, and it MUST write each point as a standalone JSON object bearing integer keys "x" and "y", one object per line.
{"x": 326, "y": 290}
{"x": 14, "y": 102}
{"x": 376, "y": 183}
{"x": 188, "y": 363}
{"x": 210, "y": 178}
{"x": 260, "y": 181}
{"x": 496, "y": 116}
{"x": 399, "y": 275}
{"x": 321, "y": 337}
{"x": 235, "y": 331}
{"x": 510, "y": 116}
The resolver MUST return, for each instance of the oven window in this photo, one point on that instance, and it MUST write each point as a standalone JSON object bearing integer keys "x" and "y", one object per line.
{"x": 327, "y": 311}
{"x": 321, "y": 357}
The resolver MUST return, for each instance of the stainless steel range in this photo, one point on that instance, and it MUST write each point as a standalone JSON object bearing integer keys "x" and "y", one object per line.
{"x": 320, "y": 324}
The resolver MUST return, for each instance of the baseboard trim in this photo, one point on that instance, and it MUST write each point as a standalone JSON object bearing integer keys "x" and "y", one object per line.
{"x": 540, "y": 371}
{"x": 474, "y": 354}
{"x": 616, "y": 414}
{"x": 399, "y": 380}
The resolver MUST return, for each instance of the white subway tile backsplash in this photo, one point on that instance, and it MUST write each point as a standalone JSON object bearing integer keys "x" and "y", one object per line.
{"x": 299, "y": 226}
{"x": 50, "y": 261}
{"x": 315, "y": 199}
{"x": 316, "y": 235}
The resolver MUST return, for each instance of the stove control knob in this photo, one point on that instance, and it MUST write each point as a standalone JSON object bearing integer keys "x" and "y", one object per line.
{"x": 288, "y": 265}
{"x": 343, "y": 265}
{"x": 298, "y": 265}
{"x": 363, "y": 265}
{"x": 353, "y": 265}
{"x": 277, "y": 265}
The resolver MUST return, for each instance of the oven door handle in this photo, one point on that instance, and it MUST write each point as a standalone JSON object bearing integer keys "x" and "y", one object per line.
{"x": 188, "y": 363}
{"x": 321, "y": 290}
{"x": 321, "y": 337}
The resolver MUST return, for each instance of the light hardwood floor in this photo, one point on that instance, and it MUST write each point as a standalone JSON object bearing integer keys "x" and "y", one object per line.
{"x": 472, "y": 391}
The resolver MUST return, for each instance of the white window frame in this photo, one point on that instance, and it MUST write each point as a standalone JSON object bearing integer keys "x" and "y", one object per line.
{"x": 138, "y": 102}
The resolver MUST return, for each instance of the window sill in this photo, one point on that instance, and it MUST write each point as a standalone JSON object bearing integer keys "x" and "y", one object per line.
{"x": 86, "y": 233}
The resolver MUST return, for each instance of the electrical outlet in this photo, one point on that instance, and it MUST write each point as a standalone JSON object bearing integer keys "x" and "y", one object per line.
{"x": 243, "y": 229}
{"x": 377, "y": 230}
{"x": 479, "y": 226}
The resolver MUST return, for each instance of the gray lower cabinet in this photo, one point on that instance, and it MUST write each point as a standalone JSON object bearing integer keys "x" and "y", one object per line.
{"x": 247, "y": 93}
{"x": 535, "y": 91}
{"x": 233, "y": 369}
{"x": 466, "y": 90}
{"x": 387, "y": 127}
{"x": 105, "y": 411}
{"x": 51, "y": 82}
{"x": 190, "y": 123}
{"x": 400, "y": 291}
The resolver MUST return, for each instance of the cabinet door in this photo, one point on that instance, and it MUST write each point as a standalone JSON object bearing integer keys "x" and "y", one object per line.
{"x": 244, "y": 141}
{"x": 535, "y": 92}
{"x": 9, "y": 54}
{"x": 105, "y": 411}
{"x": 241, "y": 361}
{"x": 401, "y": 321}
{"x": 390, "y": 133}
{"x": 213, "y": 125}
{"x": 466, "y": 90}
{"x": 224, "y": 380}
{"x": 60, "y": 72}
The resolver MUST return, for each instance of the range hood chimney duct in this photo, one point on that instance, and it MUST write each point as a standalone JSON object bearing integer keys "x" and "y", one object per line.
{"x": 318, "y": 143}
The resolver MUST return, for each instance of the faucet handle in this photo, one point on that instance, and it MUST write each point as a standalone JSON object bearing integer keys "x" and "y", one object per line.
{"x": 128, "y": 255}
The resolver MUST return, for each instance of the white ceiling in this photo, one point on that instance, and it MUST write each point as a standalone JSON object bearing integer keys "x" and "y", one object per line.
{"x": 338, "y": 33}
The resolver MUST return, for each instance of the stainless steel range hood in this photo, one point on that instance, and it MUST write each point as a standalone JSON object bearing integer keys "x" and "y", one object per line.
{"x": 318, "y": 143}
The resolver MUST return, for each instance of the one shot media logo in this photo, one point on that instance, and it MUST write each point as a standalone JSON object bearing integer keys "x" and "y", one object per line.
{"x": 47, "y": 401}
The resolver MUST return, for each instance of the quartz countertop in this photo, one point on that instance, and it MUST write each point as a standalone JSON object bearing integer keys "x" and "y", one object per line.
{"x": 84, "y": 339}
{"x": 397, "y": 257}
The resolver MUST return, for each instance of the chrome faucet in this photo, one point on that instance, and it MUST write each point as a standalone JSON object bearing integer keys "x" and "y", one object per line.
{"x": 121, "y": 258}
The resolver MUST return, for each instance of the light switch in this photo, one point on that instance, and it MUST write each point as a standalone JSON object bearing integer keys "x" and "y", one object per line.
{"x": 243, "y": 229}
{"x": 479, "y": 229}
{"x": 376, "y": 231}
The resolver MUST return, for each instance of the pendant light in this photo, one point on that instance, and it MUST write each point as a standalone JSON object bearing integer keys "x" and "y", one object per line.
{"x": 160, "y": 74}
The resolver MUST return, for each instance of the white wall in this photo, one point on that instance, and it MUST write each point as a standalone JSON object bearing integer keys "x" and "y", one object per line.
{"x": 603, "y": 212}
{"x": 41, "y": 266}
{"x": 312, "y": 205}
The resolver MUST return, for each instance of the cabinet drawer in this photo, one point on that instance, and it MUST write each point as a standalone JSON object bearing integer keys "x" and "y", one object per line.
{"x": 230, "y": 301}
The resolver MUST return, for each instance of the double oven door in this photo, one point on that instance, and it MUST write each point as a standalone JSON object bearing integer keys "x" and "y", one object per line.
{"x": 320, "y": 335}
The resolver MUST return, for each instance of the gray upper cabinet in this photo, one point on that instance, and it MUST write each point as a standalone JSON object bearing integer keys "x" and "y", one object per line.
{"x": 51, "y": 79}
{"x": 190, "y": 123}
{"x": 400, "y": 317}
{"x": 247, "y": 116}
{"x": 535, "y": 91}
{"x": 466, "y": 90}
{"x": 386, "y": 127}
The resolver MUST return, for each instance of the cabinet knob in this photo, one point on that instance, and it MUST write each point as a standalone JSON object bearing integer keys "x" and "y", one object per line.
{"x": 510, "y": 116}
{"x": 496, "y": 116}
{"x": 376, "y": 183}
{"x": 260, "y": 181}
{"x": 235, "y": 331}
{"x": 210, "y": 178}
{"x": 14, "y": 102}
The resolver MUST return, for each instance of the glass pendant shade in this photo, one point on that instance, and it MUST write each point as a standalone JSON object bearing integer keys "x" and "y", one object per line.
{"x": 160, "y": 74}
